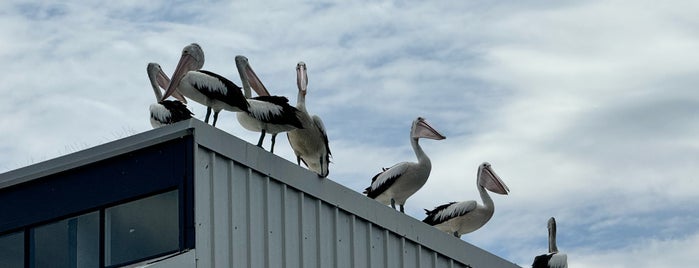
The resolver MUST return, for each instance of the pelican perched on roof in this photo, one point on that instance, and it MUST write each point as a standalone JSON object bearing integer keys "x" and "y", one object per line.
{"x": 208, "y": 88}
{"x": 164, "y": 112}
{"x": 267, "y": 114}
{"x": 459, "y": 218}
{"x": 395, "y": 184}
{"x": 553, "y": 259}
{"x": 310, "y": 144}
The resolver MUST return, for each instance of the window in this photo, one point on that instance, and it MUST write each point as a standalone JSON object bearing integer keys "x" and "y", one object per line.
{"x": 12, "y": 250}
{"x": 142, "y": 228}
{"x": 72, "y": 242}
{"x": 133, "y": 232}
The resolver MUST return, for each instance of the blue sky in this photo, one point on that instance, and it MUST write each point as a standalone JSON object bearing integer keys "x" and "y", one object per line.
{"x": 586, "y": 109}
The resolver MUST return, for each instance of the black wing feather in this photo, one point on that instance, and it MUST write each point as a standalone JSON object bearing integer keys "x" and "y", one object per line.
{"x": 382, "y": 188}
{"x": 178, "y": 111}
{"x": 542, "y": 261}
{"x": 233, "y": 97}
{"x": 431, "y": 218}
{"x": 289, "y": 113}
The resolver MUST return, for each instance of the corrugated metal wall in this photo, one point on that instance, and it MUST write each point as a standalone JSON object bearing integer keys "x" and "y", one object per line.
{"x": 247, "y": 219}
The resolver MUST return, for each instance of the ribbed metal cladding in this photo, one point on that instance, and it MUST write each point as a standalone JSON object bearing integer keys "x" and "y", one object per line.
{"x": 248, "y": 219}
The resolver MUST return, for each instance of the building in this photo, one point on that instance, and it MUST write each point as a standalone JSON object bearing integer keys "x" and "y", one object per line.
{"x": 191, "y": 195}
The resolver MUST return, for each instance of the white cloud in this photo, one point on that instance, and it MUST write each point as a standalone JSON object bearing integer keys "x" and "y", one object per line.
{"x": 585, "y": 109}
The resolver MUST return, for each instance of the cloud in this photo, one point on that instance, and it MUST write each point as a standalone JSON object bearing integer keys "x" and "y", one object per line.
{"x": 584, "y": 108}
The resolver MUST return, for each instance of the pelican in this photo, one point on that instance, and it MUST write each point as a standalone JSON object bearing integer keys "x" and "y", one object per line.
{"x": 310, "y": 144}
{"x": 266, "y": 114}
{"x": 205, "y": 87}
{"x": 460, "y": 218}
{"x": 166, "y": 111}
{"x": 395, "y": 184}
{"x": 553, "y": 259}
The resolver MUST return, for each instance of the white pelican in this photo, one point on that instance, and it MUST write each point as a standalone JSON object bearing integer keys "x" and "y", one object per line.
{"x": 167, "y": 111}
{"x": 210, "y": 89}
{"x": 395, "y": 184}
{"x": 266, "y": 114}
{"x": 310, "y": 144}
{"x": 459, "y": 218}
{"x": 553, "y": 259}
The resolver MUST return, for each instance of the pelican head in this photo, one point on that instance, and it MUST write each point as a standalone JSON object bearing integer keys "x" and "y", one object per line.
{"x": 552, "y": 235}
{"x": 249, "y": 78}
{"x": 421, "y": 129}
{"x": 158, "y": 79}
{"x": 301, "y": 77}
{"x": 491, "y": 181}
{"x": 192, "y": 59}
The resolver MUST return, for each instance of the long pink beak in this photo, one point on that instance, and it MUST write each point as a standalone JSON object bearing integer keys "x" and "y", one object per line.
{"x": 491, "y": 181}
{"x": 186, "y": 64}
{"x": 249, "y": 76}
{"x": 164, "y": 83}
{"x": 301, "y": 76}
{"x": 425, "y": 130}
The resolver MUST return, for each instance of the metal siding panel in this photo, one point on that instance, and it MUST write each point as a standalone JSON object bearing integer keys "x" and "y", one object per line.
{"x": 256, "y": 219}
{"x": 202, "y": 204}
{"x": 378, "y": 247}
{"x": 239, "y": 219}
{"x": 275, "y": 224}
{"x": 326, "y": 234}
{"x": 309, "y": 243}
{"x": 427, "y": 258}
{"x": 393, "y": 250}
{"x": 361, "y": 242}
{"x": 292, "y": 227}
{"x": 410, "y": 254}
{"x": 343, "y": 250}
{"x": 220, "y": 220}
{"x": 442, "y": 262}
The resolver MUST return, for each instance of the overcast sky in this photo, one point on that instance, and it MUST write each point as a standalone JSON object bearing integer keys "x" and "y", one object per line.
{"x": 586, "y": 109}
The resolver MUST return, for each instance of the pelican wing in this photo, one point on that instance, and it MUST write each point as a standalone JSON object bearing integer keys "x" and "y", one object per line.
{"x": 382, "y": 181}
{"x": 275, "y": 110}
{"x": 178, "y": 111}
{"x": 448, "y": 211}
{"x": 169, "y": 111}
{"x": 319, "y": 124}
{"x": 541, "y": 261}
{"x": 215, "y": 86}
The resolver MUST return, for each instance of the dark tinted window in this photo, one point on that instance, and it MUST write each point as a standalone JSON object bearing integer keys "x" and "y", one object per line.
{"x": 12, "y": 250}
{"x": 142, "y": 228}
{"x": 72, "y": 242}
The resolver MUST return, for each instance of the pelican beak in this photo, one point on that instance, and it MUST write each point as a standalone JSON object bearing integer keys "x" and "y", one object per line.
{"x": 164, "y": 83}
{"x": 301, "y": 77}
{"x": 490, "y": 180}
{"x": 186, "y": 64}
{"x": 247, "y": 74}
{"x": 422, "y": 129}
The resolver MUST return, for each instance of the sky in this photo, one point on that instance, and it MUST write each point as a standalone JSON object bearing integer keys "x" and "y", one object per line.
{"x": 586, "y": 109}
